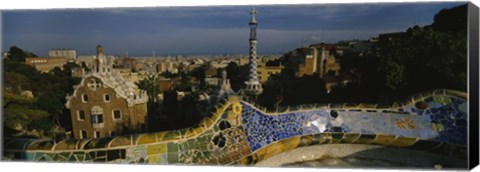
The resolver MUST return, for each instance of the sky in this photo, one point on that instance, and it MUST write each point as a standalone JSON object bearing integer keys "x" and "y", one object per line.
{"x": 206, "y": 30}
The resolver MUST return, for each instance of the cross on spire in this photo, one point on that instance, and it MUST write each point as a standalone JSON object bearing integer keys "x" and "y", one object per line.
{"x": 253, "y": 12}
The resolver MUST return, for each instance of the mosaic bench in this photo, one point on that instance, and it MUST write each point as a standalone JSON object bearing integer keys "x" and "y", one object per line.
{"x": 239, "y": 133}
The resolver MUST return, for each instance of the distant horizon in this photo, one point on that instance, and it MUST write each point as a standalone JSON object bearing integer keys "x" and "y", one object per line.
{"x": 215, "y": 30}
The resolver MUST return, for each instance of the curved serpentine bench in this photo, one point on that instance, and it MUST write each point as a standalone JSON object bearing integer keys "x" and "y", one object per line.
{"x": 238, "y": 133}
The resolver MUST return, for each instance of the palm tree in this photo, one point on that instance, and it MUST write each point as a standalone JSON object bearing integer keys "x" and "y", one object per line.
{"x": 151, "y": 84}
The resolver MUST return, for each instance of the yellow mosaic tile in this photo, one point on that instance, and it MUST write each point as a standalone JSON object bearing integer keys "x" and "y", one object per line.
{"x": 291, "y": 143}
{"x": 384, "y": 139}
{"x": 403, "y": 142}
{"x": 160, "y": 135}
{"x": 70, "y": 144}
{"x": 261, "y": 153}
{"x": 198, "y": 130}
{"x": 189, "y": 132}
{"x": 365, "y": 139}
{"x": 237, "y": 108}
{"x": 306, "y": 140}
{"x": 182, "y": 133}
{"x": 208, "y": 122}
{"x": 275, "y": 148}
{"x": 40, "y": 145}
{"x": 155, "y": 159}
{"x": 350, "y": 137}
{"x": 147, "y": 138}
{"x": 327, "y": 138}
{"x": 156, "y": 149}
{"x": 172, "y": 135}
{"x": 337, "y": 137}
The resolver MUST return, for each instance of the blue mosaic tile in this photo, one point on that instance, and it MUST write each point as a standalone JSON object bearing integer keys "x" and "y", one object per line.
{"x": 263, "y": 129}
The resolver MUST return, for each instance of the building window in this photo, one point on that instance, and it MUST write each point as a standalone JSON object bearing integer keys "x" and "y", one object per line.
{"x": 117, "y": 114}
{"x": 81, "y": 115}
{"x": 83, "y": 134}
{"x": 112, "y": 133}
{"x": 84, "y": 98}
{"x": 106, "y": 97}
{"x": 96, "y": 134}
{"x": 96, "y": 118}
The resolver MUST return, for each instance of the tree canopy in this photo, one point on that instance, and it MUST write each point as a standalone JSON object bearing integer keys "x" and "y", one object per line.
{"x": 47, "y": 107}
{"x": 19, "y": 55}
{"x": 417, "y": 60}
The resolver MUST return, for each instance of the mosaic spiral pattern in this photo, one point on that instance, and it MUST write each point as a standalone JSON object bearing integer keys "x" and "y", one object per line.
{"x": 238, "y": 133}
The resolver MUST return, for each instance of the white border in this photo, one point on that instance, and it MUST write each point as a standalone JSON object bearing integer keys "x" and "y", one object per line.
{"x": 58, "y": 4}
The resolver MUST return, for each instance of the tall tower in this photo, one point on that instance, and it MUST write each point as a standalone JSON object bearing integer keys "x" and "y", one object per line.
{"x": 254, "y": 87}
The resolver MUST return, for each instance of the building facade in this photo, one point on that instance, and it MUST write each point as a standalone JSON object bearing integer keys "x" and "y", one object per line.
{"x": 45, "y": 64}
{"x": 104, "y": 104}
{"x": 319, "y": 60}
{"x": 166, "y": 66}
{"x": 67, "y": 53}
{"x": 264, "y": 71}
{"x": 310, "y": 66}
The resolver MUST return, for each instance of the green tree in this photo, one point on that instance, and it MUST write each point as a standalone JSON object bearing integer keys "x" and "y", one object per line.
{"x": 49, "y": 90}
{"x": 394, "y": 74}
{"x": 15, "y": 82}
{"x": 422, "y": 59}
{"x": 237, "y": 75}
{"x": 199, "y": 73}
{"x": 18, "y": 114}
{"x": 169, "y": 74}
{"x": 151, "y": 84}
{"x": 451, "y": 20}
{"x": 305, "y": 90}
{"x": 272, "y": 94}
{"x": 184, "y": 84}
{"x": 19, "y": 55}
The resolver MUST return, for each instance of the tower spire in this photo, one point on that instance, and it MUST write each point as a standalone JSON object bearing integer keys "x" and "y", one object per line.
{"x": 254, "y": 87}
{"x": 253, "y": 12}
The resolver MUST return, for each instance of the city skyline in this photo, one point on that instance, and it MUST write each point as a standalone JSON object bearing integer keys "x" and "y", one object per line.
{"x": 207, "y": 30}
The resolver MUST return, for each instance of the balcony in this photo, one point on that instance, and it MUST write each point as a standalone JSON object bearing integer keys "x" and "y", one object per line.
{"x": 98, "y": 125}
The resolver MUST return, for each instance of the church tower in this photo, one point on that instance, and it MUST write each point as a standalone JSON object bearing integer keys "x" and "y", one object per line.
{"x": 254, "y": 87}
{"x": 102, "y": 64}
